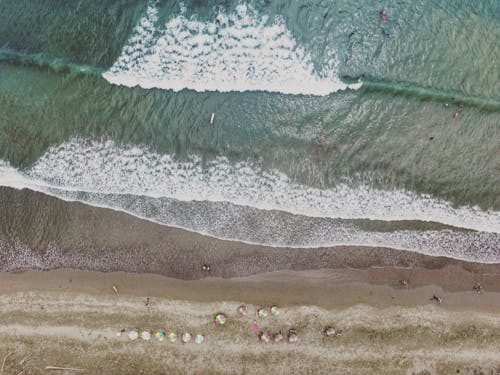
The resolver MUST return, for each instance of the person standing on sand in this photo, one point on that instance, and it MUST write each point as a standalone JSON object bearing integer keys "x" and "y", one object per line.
{"x": 255, "y": 327}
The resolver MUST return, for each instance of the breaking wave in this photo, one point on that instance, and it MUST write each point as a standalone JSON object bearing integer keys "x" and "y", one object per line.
{"x": 242, "y": 51}
{"x": 244, "y": 202}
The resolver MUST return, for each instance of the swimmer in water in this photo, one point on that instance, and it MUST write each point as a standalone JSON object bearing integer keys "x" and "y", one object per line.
{"x": 383, "y": 15}
{"x": 386, "y": 33}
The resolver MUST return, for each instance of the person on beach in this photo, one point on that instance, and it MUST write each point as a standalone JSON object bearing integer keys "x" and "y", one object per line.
{"x": 255, "y": 327}
{"x": 437, "y": 299}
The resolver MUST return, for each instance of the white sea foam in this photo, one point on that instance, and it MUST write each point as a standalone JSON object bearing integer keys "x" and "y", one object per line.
{"x": 242, "y": 51}
{"x": 246, "y": 203}
{"x": 106, "y": 168}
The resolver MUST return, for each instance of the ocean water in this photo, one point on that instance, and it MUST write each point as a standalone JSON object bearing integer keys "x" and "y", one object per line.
{"x": 326, "y": 131}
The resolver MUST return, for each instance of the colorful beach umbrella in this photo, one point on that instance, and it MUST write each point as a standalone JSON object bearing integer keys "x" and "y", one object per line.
{"x": 275, "y": 310}
{"x": 330, "y": 331}
{"x": 242, "y": 310}
{"x": 198, "y": 339}
{"x": 292, "y": 336}
{"x": 172, "y": 337}
{"x": 146, "y": 335}
{"x": 133, "y": 335}
{"x": 265, "y": 337}
{"x": 278, "y": 337}
{"x": 186, "y": 337}
{"x": 263, "y": 312}
{"x": 160, "y": 336}
{"x": 220, "y": 319}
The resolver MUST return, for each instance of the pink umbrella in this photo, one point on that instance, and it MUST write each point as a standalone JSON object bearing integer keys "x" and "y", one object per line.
{"x": 265, "y": 337}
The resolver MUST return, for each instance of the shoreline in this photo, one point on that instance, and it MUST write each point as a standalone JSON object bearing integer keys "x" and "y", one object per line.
{"x": 42, "y": 232}
{"x": 69, "y": 314}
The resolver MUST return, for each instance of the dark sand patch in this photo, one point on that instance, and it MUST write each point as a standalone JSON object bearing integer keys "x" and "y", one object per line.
{"x": 43, "y": 232}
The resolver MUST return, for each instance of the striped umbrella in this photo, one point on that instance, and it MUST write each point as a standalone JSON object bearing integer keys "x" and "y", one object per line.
{"x": 263, "y": 312}
{"x": 275, "y": 310}
{"x": 220, "y": 319}
{"x": 278, "y": 337}
{"x": 160, "y": 336}
{"x": 242, "y": 310}
{"x": 172, "y": 337}
{"x": 133, "y": 335}
{"x": 186, "y": 337}
{"x": 198, "y": 339}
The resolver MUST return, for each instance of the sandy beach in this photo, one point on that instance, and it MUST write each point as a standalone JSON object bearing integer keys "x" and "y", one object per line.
{"x": 71, "y": 319}
{"x": 38, "y": 231}
{"x": 249, "y": 187}
{"x": 97, "y": 272}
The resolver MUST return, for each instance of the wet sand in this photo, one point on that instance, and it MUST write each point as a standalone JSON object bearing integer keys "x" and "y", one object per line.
{"x": 380, "y": 298}
{"x": 70, "y": 319}
{"x": 42, "y": 232}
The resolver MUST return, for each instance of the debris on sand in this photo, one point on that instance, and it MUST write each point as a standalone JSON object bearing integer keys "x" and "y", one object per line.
{"x": 437, "y": 299}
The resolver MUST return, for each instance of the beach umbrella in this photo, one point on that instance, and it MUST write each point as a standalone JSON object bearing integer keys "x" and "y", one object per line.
{"x": 160, "y": 336}
{"x": 172, "y": 337}
{"x": 242, "y": 310}
{"x": 133, "y": 335}
{"x": 275, "y": 310}
{"x": 330, "y": 331}
{"x": 265, "y": 337}
{"x": 198, "y": 339}
{"x": 278, "y": 337}
{"x": 263, "y": 312}
{"x": 186, "y": 337}
{"x": 220, "y": 319}
{"x": 146, "y": 335}
{"x": 292, "y": 336}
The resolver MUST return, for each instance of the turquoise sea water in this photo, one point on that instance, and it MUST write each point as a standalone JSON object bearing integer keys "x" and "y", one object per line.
{"x": 318, "y": 116}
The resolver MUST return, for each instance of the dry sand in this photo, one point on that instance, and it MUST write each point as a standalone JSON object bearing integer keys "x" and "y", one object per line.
{"x": 70, "y": 319}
